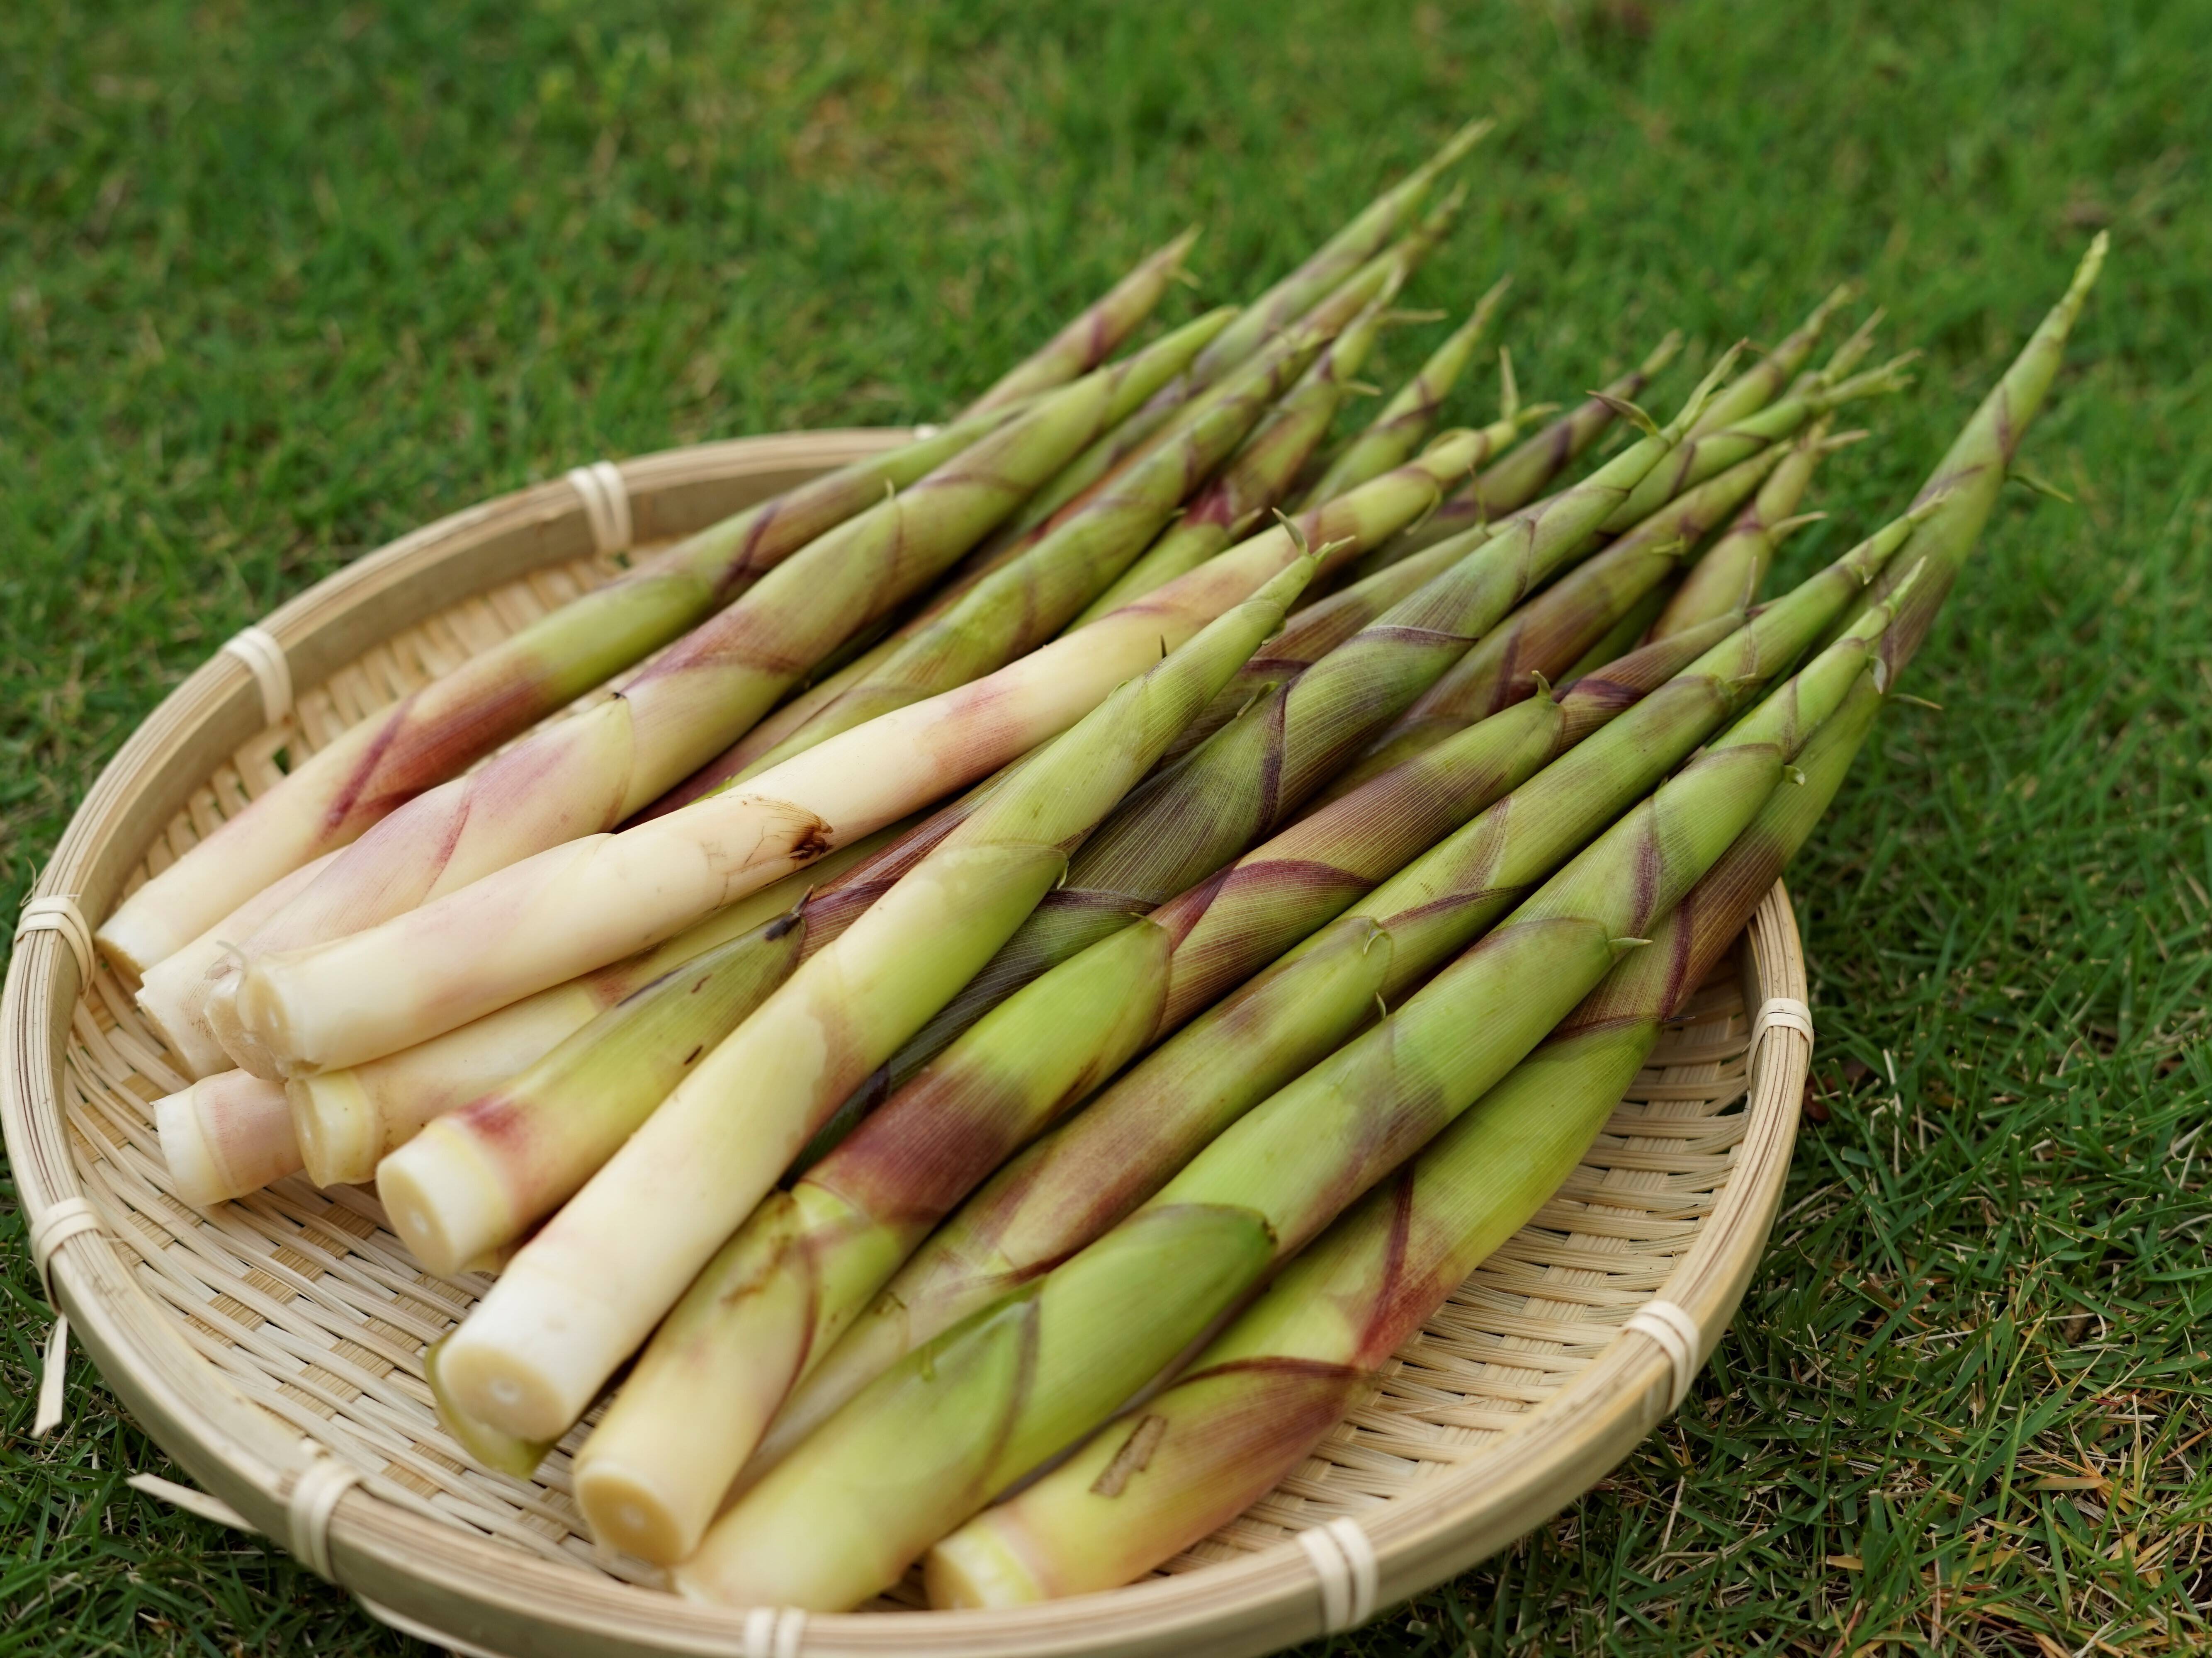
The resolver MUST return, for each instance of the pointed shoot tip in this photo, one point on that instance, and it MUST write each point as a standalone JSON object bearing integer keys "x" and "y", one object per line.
{"x": 1702, "y": 392}
{"x": 1628, "y": 412}
{"x": 1473, "y": 133}
{"x": 1849, "y": 354}
{"x": 2041, "y": 485}
{"x": 2093, "y": 263}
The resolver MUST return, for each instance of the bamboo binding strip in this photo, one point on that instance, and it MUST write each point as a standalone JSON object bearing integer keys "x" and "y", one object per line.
{"x": 274, "y": 1345}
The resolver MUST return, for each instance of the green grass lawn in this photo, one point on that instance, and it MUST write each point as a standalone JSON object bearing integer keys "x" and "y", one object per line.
{"x": 278, "y": 282}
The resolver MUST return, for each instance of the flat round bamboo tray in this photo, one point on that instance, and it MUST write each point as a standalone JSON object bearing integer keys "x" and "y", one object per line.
{"x": 273, "y": 1346}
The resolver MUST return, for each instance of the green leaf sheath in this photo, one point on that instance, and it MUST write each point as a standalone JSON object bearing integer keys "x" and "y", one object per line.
{"x": 1728, "y": 574}
{"x": 1028, "y": 599}
{"x": 1253, "y": 775}
{"x": 1966, "y": 480}
{"x": 1096, "y": 334}
{"x": 1519, "y": 476}
{"x": 1264, "y": 1393}
{"x": 1397, "y": 431}
{"x": 330, "y": 798}
{"x": 844, "y": 1514}
{"x": 1256, "y": 477}
{"x": 594, "y": 1280}
{"x": 1366, "y": 234}
{"x": 1772, "y": 374}
{"x": 1621, "y": 638}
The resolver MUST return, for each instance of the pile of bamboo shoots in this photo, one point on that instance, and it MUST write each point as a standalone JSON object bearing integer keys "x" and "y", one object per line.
{"x": 1058, "y": 946}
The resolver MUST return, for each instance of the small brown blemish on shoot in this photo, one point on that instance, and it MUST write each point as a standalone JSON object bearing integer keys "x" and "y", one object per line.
{"x": 1133, "y": 1458}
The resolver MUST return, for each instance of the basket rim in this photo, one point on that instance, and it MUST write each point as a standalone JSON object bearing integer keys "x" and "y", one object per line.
{"x": 475, "y": 1594}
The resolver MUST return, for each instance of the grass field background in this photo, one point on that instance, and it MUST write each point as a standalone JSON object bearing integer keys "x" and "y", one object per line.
{"x": 279, "y": 282}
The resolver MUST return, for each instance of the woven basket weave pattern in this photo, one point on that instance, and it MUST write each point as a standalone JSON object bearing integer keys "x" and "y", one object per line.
{"x": 310, "y": 1307}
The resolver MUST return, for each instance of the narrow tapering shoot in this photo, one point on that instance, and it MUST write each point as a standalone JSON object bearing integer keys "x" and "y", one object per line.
{"x": 1028, "y": 599}
{"x": 1364, "y": 235}
{"x": 1088, "y": 475}
{"x": 1551, "y": 633}
{"x": 1254, "y": 478}
{"x": 1405, "y": 421}
{"x": 1095, "y": 334}
{"x": 1518, "y": 477}
{"x": 233, "y": 1133}
{"x": 1728, "y": 574}
{"x": 1966, "y": 481}
{"x": 478, "y": 1178}
{"x": 1378, "y": 279}
{"x": 764, "y": 1313}
{"x": 1773, "y": 373}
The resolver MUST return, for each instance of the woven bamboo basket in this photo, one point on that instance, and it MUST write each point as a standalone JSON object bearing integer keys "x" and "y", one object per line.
{"x": 273, "y": 1346}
